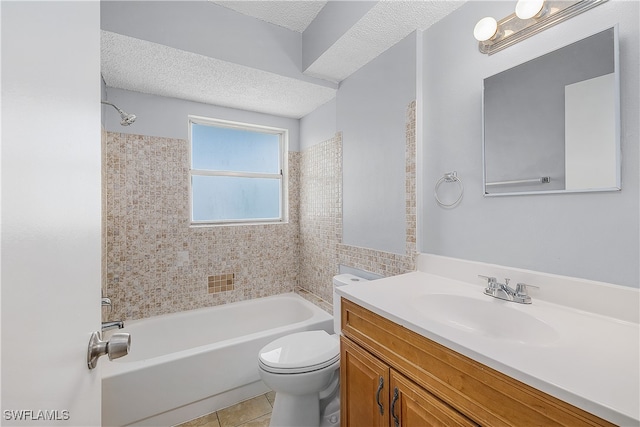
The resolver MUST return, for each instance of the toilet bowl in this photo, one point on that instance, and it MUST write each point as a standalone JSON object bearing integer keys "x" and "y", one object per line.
{"x": 299, "y": 367}
{"x": 303, "y": 369}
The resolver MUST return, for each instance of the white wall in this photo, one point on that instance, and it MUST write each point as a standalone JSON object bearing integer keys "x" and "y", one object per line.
{"x": 371, "y": 112}
{"x": 594, "y": 235}
{"x": 51, "y": 233}
{"x": 318, "y": 126}
{"x": 168, "y": 117}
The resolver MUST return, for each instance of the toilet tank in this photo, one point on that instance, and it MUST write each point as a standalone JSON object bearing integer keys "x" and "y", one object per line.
{"x": 341, "y": 280}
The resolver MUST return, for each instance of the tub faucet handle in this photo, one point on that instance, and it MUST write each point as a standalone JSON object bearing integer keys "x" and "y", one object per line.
{"x": 105, "y": 302}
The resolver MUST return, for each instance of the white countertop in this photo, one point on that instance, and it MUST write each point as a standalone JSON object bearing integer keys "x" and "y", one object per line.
{"x": 593, "y": 361}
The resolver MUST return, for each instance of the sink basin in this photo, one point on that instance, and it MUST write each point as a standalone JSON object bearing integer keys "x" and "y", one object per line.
{"x": 490, "y": 318}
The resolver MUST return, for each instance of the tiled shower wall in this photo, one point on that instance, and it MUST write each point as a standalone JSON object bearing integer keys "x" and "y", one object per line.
{"x": 320, "y": 216}
{"x": 321, "y": 247}
{"x": 156, "y": 263}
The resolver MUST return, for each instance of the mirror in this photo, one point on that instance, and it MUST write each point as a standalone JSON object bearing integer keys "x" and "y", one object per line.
{"x": 552, "y": 124}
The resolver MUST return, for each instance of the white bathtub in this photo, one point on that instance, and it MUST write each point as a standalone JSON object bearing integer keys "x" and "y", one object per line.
{"x": 188, "y": 364}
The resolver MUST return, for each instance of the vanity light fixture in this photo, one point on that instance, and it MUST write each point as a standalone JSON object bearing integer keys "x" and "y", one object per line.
{"x": 530, "y": 18}
{"x": 527, "y": 9}
{"x": 486, "y": 29}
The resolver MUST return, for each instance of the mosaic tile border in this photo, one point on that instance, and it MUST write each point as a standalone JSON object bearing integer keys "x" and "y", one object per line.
{"x": 221, "y": 283}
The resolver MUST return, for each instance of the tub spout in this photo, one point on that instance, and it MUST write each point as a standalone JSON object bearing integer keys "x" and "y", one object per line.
{"x": 112, "y": 325}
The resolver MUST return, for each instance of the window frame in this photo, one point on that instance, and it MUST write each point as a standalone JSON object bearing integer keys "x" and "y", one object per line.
{"x": 282, "y": 176}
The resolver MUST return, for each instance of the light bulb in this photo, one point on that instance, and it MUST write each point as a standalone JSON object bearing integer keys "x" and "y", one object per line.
{"x": 527, "y": 9}
{"x": 485, "y": 29}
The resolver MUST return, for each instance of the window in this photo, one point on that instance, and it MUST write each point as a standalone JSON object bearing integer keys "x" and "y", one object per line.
{"x": 237, "y": 172}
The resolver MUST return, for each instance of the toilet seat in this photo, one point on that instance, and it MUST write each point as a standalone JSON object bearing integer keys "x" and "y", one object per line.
{"x": 300, "y": 352}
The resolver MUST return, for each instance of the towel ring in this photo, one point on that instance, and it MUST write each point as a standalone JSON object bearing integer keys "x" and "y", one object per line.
{"x": 449, "y": 177}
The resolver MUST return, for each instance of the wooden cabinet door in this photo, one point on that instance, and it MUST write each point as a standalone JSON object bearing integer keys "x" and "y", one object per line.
{"x": 364, "y": 388}
{"x": 413, "y": 406}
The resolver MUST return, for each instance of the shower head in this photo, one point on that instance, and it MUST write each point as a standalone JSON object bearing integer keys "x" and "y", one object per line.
{"x": 127, "y": 119}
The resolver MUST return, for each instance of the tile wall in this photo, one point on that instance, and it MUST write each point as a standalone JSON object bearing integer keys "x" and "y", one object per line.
{"x": 320, "y": 216}
{"x": 156, "y": 263}
{"x": 321, "y": 247}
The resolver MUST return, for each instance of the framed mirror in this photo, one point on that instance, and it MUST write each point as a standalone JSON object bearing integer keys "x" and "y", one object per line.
{"x": 552, "y": 124}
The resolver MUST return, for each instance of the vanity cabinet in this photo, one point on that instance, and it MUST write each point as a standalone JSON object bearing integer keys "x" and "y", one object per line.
{"x": 416, "y": 407}
{"x": 364, "y": 390}
{"x": 436, "y": 386}
{"x": 373, "y": 394}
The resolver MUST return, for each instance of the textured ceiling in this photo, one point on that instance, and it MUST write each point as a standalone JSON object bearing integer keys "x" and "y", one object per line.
{"x": 142, "y": 66}
{"x": 138, "y": 65}
{"x": 384, "y": 25}
{"x": 294, "y": 15}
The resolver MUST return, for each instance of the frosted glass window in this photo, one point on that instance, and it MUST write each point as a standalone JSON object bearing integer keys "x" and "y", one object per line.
{"x": 237, "y": 172}
{"x": 222, "y": 198}
{"x": 224, "y": 149}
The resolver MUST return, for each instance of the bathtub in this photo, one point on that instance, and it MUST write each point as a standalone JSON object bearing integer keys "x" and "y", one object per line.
{"x": 185, "y": 365}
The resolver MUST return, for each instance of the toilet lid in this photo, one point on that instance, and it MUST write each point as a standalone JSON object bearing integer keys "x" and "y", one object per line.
{"x": 300, "y": 352}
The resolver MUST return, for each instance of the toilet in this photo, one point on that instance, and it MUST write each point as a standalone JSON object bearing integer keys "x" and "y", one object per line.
{"x": 303, "y": 369}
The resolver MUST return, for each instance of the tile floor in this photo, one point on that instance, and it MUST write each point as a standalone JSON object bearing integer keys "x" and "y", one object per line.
{"x": 254, "y": 412}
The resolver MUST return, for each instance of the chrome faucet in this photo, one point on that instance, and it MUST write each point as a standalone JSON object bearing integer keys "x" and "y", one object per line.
{"x": 118, "y": 324}
{"x": 505, "y": 292}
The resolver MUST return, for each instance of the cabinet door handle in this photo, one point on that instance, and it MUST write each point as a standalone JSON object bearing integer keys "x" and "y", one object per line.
{"x": 380, "y": 385}
{"x": 396, "y": 421}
